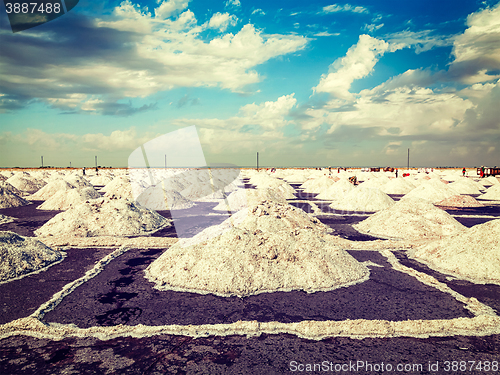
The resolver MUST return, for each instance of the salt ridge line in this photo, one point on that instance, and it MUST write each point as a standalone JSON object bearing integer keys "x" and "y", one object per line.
{"x": 485, "y": 323}
{"x": 70, "y": 287}
{"x": 471, "y": 304}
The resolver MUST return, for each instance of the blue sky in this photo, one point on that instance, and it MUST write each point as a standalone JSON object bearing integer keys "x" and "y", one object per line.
{"x": 313, "y": 83}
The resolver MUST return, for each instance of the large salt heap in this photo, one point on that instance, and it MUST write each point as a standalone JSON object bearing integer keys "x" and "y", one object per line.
{"x": 25, "y": 183}
{"x": 51, "y": 188}
{"x": 492, "y": 193}
{"x": 273, "y": 247}
{"x": 399, "y": 185}
{"x": 411, "y": 219}
{"x": 473, "y": 253}
{"x": 466, "y": 186}
{"x": 156, "y": 198}
{"x": 337, "y": 190}
{"x": 22, "y": 255}
{"x": 9, "y": 199}
{"x": 243, "y": 198}
{"x": 363, "y": 199}
{"x": 433, "y": 191}
{"x": 318, "y": 185}
{"x": 459, "y": 201}
{"x": 104, "y": 217}
{"x": 65, "y": 199}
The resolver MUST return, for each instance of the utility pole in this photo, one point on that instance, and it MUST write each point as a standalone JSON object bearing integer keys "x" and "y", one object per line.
{"x": 42, "y": 161}
{"x": 96, "y": 161}
{"x": 408, "y": 159}
{"x": 165, "y": 161}
{"x": 257, "y": 161}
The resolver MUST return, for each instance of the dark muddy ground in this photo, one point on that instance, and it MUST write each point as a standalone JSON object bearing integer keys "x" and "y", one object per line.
{"x": 28, "y": 218}
{"x": 121, "y": 295}
{"x": 237, "y": 355}
{"x": 20, "y": 298}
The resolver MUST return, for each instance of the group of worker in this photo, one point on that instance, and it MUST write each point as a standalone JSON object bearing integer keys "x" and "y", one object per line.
{"x": 96, "y": 171}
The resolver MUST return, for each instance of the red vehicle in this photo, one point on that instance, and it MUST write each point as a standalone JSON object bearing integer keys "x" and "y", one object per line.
{"x": 489, "y": 171}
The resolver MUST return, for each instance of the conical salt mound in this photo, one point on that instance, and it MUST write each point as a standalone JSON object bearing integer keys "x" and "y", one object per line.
{"x": 100, "y": 180}
{"x": 51, "y": 188}
{"x": 493, "y": 193}
{"x": 318, "y": 185}
{"x": 363, "y": 199}
{"x": 337, "y": 190}
{"x": 104, "y": 217}
{"x": 432, "y": 191}
{"x": 78, "y": 181}
{"x": 265, "y": 252}
{"x": 465, "y": 186}
{"x": 155, "y": 198}
{"x": 9, "y": 199}
{"x": 64, "y": 200}
{"x": 473, "y": 253}
{"x": 5, "y": 219}
{"x": 244, "y": 198}
{"x": 411, "y": 219}
{"x": 398, "y": 186}
{"x": 22, "y": 255}
{"x": 459, "y": 201}
{"x": 25, "y": 183}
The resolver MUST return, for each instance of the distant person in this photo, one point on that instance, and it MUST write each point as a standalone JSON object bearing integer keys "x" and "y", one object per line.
{"x": 84, "y": 171}
{"x": 96, "y": 171}
{"x": 330, "y": 170}
{"x": 481, "y": 173}
{"x": 396, "y": 173}
{"x": 463, "y": 172}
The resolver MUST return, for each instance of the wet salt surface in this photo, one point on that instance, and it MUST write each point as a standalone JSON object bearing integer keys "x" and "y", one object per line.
{"x": 121, "y": 295}
{"x": 489, "y": 294}
{"x": 20, "y": 298}
{"x": 28, "y": 218}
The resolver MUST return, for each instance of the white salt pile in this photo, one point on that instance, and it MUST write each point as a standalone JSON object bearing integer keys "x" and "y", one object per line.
{"x": 460, "y": 201}
{"x": 100, "y": 180}
{"x": 9, "y": 187}
{"x": 65, "y": 199}
{"x": 337, "y": 190}
{"x": 264, "y": 181}
{"x": 5, "y": 219}
{"x": 473, "y": 253}
{"x": 398, "y": 186}
{"x": 118, "y": 188}
{"x": 22, "y": 255}
{"x": 488, "y": 181}
{"x": 9, "y": 199}
{"x": 156, "y": 198}
{"x": 363, "y": 199}
{"x": 270, "y": 250}
{"x": 104, "y": 217}
{"x": 78, "y": 181}
{"x": 433, "y": 192}
{"x": 317, "y": 185}
{"x": 376, "y": 182}
{"x": 412, "y": 219}
{"x": 492, "y": 193}
{"x": 51, "y": 188}
{"x": 466, "y": 186}
{"x": 244, "y": 198}
{"x": 25, "y": 183}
